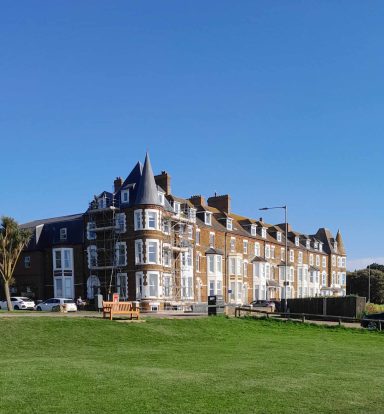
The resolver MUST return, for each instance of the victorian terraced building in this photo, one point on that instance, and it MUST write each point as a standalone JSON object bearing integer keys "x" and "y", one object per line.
{"x": 149, "y": 245}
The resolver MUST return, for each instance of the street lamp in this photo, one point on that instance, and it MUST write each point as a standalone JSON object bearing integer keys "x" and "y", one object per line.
{"x": 286, "y": 250}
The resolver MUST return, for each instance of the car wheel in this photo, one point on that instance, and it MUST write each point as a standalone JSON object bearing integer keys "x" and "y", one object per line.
{"x": 16, "y": 307}
{"x": 372, "y": 326}
{"x": 39, "y": 309}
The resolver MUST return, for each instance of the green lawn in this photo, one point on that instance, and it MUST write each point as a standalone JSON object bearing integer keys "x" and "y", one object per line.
{"x": 215, "y": 365}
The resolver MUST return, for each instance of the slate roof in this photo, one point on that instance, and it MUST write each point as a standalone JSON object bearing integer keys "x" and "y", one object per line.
{"x": 147, "y": 188}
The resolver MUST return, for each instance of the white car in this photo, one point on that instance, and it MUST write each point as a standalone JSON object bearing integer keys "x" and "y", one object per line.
{"x": 19, "y": 303}
{"x": 51, "y": 303}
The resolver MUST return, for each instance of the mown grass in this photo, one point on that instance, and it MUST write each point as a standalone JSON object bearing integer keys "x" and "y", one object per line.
{"x": 218, "y": 365}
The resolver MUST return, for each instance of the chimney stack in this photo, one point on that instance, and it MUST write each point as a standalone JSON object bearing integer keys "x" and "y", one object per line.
{"x": 117, "y": 184}
{"x": 197, "y": 200}
{"x": 164, "y": 181}
{"x": 221, "y": 202}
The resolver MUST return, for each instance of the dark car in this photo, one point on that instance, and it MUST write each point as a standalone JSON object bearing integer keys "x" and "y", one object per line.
{"x": 372, "y": 321}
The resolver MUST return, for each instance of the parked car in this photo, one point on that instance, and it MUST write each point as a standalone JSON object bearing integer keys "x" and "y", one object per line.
{"x": 263, "y": 304}
{"x": 19, "y": 303}
{"x": 371, "y": 321}
{"x": 49, "y": 304}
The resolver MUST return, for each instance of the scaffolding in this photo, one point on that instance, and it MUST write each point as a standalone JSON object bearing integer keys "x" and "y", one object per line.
{"x": 103, "y": 238}
{"x": 180, "y": 243}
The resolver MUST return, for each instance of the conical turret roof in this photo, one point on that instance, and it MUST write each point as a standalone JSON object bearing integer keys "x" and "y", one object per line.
{"x": 147, "y": 189}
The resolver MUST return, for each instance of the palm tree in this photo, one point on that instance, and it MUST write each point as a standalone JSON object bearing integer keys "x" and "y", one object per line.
{"x": 13, "y": 239}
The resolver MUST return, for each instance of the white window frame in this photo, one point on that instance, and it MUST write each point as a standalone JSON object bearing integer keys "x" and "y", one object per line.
{"x": 167, "y": 255}
{"x": 122, "y": 288}
{"x": 263, "y": 232}
{"x": 121, "y": 223}
{"x": 253, "y": 230}
{"x": 278, "y": 236}
{"x": 167, "y": 285}
{"x": 139, "y": 251}
{"x": 64, "y": 273}
{"x": 324, "y": 261}
{"x": 212, "y": 239}
{"x": 267, "y": 251}
{"x": 91, "y": 248}
{"x": 208, "y": 218}
{"x": 229, "y": 224}
{"x": 176, "y": 208}
{"x": 118, "y": 255}
{"x": 245, "y": 246}
{"x": 232, "y": 244}
{"x": 192, "y": 214}
{"x": 138, "y": 220}
{"x": 297, "y": 241}
{"x": 257, "y": 249}
{"x": 124, "y": 196}
{"x": 197, "y": 241}
{"x": 147, "y": 243}
{"x": 91, "y": 234}
{"x": 161, "y": 197}
{"x": 148, "y": 213}
{"x": 292, "y": 256}
{"x": 150, "y": 275}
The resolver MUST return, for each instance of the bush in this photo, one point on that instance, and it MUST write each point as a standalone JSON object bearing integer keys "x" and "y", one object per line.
{"x": 373, "y": 308}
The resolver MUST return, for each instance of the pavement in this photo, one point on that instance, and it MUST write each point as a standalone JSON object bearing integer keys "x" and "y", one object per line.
{"x": 145, "y": 315}
{"x": 95, "y": 314}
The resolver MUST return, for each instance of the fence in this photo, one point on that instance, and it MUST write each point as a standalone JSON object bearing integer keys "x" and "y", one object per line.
{"x": 303, "y": 317}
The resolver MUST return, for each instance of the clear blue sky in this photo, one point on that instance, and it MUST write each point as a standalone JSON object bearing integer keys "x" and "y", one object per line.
{"x": 273, "y": 102}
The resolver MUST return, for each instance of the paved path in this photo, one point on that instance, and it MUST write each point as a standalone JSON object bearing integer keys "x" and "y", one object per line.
{"x": 159, "y": 315}
{"x": 94, "y": 314}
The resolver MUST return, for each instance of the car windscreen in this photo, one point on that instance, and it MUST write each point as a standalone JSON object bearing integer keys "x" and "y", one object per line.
{"x": 26, "y": 299}
{"x": 69, "y": 301}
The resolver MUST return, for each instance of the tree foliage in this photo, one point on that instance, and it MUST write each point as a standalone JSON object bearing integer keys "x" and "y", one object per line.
{"x": 358, "y": 282}
{"x": 13, "y": 239}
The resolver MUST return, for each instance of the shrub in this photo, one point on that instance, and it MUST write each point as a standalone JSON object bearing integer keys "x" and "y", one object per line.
{"x": 373, "y": 308}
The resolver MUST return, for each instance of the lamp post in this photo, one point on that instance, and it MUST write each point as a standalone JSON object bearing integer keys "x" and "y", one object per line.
{"x": 286, "y": 250}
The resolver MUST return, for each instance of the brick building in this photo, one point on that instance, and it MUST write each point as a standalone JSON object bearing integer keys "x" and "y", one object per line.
{"x": 147, "y": 244}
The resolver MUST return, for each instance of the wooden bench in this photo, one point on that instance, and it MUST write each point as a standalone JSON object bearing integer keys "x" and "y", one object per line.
{"x": 120, "y": 308}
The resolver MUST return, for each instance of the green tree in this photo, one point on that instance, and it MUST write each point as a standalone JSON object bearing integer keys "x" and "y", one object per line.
{"x": 13, "y": 239}
{"x": 376, "y": 266}
{"x": 358, "y": 282}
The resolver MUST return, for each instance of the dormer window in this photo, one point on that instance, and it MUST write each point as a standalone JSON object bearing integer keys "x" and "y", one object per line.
{"x": 320, "y": 247}
{"x": 263, "y": 232}
{"x": 161, "y": 197}
{"x": 63, "y": 233}
{"x": 192, "y": 214}
{"x": 253, "y": 230}
{"x": 316, "y": 245}
{"x": 229, "y": 224}
{"x": 335, "y": 246}
{"x": 125, "y": 196}
{"x": 102, "y": 202}
{"x": 176, "y": 207}
{"x": 278, "y": 237}
{"x": 308, "y": 244}
{"x": 208, "y": 218}
{"x": 297, "y": 241}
